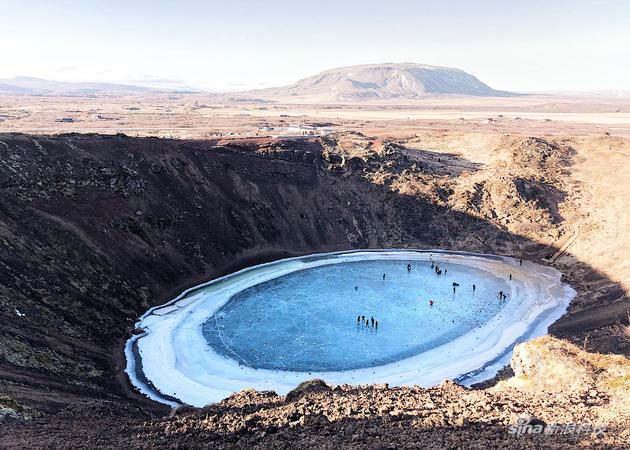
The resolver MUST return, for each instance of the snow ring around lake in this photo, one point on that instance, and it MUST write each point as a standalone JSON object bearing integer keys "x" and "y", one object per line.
{"x": 172, "y": 362}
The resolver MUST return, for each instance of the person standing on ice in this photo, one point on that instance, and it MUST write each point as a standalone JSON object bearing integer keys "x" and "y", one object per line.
{"x": 372, "y": 320}
{"x": 358, "y": 319}
{"x": 408, "y": 267}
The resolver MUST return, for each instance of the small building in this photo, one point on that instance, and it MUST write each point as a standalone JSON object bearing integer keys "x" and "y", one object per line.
{"x": 304, "y": 131}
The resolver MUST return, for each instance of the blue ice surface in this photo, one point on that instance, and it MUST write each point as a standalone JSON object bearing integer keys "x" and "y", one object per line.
{"x": 307, "y": 320}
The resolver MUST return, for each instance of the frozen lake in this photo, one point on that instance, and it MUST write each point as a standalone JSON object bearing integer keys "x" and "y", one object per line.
{"x": 307, "y": 320}
{"x": 275, "y": 325}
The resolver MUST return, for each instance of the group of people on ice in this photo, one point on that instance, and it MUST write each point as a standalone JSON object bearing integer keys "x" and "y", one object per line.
{"x": 438, "y": 271}
{"x": 371, "y": 322}
{"x": 362, "y": 320}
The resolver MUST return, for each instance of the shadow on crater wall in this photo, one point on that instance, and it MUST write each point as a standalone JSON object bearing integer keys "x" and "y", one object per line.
{"x": 96, "y": 229}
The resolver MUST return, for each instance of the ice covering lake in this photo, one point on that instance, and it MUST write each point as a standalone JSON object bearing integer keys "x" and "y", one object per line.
{"x": 275, "y": 325}
{"x": 307, "y": 320}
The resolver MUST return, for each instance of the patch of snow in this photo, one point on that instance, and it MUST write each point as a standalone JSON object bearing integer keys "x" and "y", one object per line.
{"x": 405, "y": 83}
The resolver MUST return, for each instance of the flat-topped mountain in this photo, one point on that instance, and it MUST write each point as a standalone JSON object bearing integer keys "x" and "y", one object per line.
{"x": 385, "y": 81}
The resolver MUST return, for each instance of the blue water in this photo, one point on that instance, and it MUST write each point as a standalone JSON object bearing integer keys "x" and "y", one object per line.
{"x": 307, "y": 320}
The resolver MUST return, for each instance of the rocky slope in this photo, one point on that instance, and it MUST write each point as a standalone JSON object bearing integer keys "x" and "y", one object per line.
{"x": 95, "y": 229}
{"x": 384, "y": 82}
{"x": 380, "y": 417}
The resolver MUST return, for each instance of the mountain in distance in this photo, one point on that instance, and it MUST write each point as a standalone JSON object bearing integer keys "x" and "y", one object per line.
{"x": 387, "y": 81}
{"x": 369, "y": 82}
{"x": 40, "y": 86}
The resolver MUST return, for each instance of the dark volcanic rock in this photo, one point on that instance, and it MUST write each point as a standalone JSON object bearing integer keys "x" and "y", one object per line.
{"x": 307, "y": 387}
{"x": 94, "y": 230}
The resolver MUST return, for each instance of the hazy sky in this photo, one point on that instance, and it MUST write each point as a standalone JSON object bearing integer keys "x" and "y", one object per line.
{"x": 233, "y": 44}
